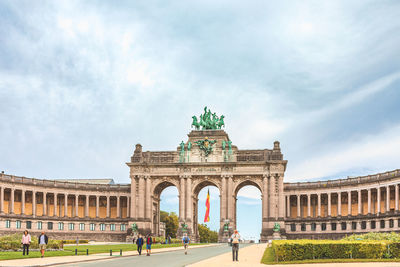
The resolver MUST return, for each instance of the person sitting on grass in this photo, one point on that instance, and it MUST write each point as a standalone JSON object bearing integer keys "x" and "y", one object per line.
{"x": 149, "y": 241}
{"x": 42, "y": 240}
{"x": 26, "y": 241}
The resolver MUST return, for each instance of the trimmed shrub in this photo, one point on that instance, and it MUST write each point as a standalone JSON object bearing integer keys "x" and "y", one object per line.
{"x": 292, "y": 250}
{"x": 83, "y": 241}
{"x": 13, "y": 242}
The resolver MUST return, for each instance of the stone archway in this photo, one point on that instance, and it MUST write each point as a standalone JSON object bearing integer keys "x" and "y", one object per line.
{"x": 157, "y": 190}
{"x": 256, "y": 183}
{"x": 196, "y": 190}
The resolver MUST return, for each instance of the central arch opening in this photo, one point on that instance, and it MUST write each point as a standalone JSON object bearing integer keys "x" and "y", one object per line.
{"x": 165, "y": 210}
{"x": 207, "y": 232}
{"x": 249, "y": 205}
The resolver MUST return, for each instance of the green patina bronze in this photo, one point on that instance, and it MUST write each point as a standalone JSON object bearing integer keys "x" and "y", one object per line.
{"x": 184, "y": 227}
{"x": 206, "y": 145}
{"x": 134, "y": 228}
{"x": 277, "y": 227}
{"x": 226, "y": 227}
{"x": 182, "y": 152}
{"x": 208, "y": 121}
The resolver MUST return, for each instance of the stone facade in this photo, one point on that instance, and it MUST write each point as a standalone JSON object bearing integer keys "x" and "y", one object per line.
{"x": 326, "y": 209}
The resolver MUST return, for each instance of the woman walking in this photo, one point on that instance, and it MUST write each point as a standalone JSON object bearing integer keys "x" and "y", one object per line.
{"x": 26, "y": 241}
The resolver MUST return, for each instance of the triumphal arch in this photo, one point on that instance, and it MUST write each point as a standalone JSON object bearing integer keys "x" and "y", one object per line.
{"x": 208, "y": 157}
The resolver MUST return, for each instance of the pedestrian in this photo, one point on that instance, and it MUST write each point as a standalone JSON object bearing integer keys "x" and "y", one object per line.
{"x": 77, "y": 241}
{"x": 235, "y": 239}
{"x": 43, "y": 240}
{"x": 185, "y": 242}
{"x": 133, "y": 240}
{"x": 169, "y": 239}
{"x": 26, "y": 241}
{"x": 149, "y": 241}
{"x": 139, "y": 244}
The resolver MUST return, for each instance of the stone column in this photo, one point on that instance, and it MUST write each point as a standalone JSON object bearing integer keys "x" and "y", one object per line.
{"x": 55, "y": 205}
{"x": 319, "y": 204}
{"x": 182, "y": 198}
{"x": 108, "y": 207}
{"x": 387, "y": 198}
{"x": 280, "y": 198}
{"x": 308, "y": 205}
{"x": 265, "y": 197}
{"x": 133, "y": 199}
{"x": 189, "y": 213}
{"x": 44, "y": 203}
{"x": 223, "y": 205}
{"x": 22, "y": 202}
{"x": 149, "y": 203}
{"x": 12, "y": 200}
{"x": 87, "y": 206}
{"x": 359, "y": 201}
{"x": 141, "y": 198}
{"x": 33, "y": 203}
{"x": 2, "y": 200}
{"x": 272, "y": 197}
{"x": 396, "y": 198}
{"x": 97, "y": 206}
{"x": 118, "y": 207}
{"x": 298, "y": 206}
{"x": 349, "y": 203}
{"x": 329, "y": 204}
{"x": 65, "y": 205}
{"x": 339, "y": 201}
{"x": 287, "y": 206}
{"x": 128, "y": 207}
{"x": 76, "y": 205}
{"x": 230, "y": 199}
{"x": 369, "y": 200}
{"x": 378, "y": 190}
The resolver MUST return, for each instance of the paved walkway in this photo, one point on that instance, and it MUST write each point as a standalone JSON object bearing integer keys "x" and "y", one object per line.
{"x": 48, "y": 261}
{"x": 248, "y": 256}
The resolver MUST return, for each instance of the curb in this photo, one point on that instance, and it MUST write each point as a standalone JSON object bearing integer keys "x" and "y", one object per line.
{"x": 107, "y": 257}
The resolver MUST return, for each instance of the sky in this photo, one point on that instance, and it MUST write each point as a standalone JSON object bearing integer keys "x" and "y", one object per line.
{"x": 81, "y": 82}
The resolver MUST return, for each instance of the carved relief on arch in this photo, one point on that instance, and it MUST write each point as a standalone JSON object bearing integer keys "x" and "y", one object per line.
{"x": 239, "y": 182}
{"x": 201, "y": 182}
{"x": 159, "y": 184}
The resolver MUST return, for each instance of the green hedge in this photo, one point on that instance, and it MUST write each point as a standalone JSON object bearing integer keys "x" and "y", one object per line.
{"x": 294, "y": 250}
{"x": 13, "y": 242}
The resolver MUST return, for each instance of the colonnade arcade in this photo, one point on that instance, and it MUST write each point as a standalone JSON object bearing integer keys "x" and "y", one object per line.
{"x": 351, "y": 202}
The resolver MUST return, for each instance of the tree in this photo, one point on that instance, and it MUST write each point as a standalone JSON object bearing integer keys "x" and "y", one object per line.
{"x": 207, "y": 235}
{"x": 171, "y": 223}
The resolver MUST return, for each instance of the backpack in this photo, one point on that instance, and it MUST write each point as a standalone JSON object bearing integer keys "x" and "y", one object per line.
{"x": 186, "y": 240}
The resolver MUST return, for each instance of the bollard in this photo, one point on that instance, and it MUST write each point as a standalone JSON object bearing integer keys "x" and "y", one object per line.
{"x": 76, "y": 251}
{"x": 110, "y": 252}
{"x": 120, "y": 252}
{"x": 87, "y": 251}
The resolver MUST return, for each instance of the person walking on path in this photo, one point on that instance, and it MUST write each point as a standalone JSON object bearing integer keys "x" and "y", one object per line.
{"x": 139, "y": 244}
{"x": 26, "y": 241}
{"x": 235, "y": 239}
{"x": 149, "y": 241}
{"x": 43, "y": 240}
{"x": 185, "y": 242}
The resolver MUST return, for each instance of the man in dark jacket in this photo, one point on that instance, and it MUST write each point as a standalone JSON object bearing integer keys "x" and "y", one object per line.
{"x": 43, "y": 240}
{"x": 139, "y": 244}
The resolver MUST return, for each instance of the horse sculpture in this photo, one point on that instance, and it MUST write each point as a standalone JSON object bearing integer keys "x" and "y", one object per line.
{"x": 221, "y": 122}
{"x": 195, "y": 123}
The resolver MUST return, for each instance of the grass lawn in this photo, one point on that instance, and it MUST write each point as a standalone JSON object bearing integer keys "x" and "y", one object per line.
{"x": 93, "y": 249}
{"x": 269, "y": 258}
